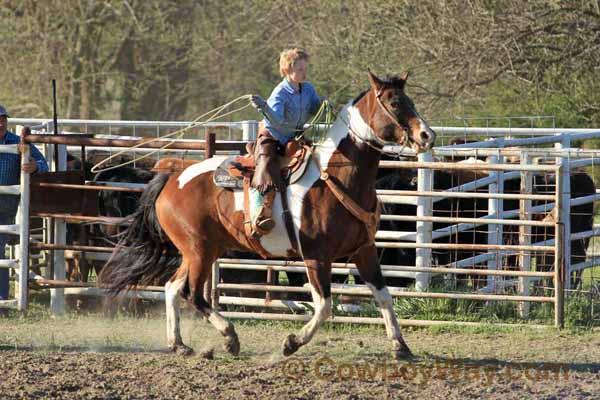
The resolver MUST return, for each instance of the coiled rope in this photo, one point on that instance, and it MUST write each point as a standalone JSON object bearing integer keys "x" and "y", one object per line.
{"x": 213, "y": 114}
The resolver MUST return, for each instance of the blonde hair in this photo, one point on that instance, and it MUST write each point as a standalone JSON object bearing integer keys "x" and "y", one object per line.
{"x": 287, "y": 58}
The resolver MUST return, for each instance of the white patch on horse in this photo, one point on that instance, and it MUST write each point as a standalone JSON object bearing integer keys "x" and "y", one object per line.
{"x": 337, "y": 132}
{"x": 172, "y": 289}
{"x": 277, "y": 241}
{"x": 195, "y": 170}
{"x": 322, "y": 313}
{"x": 359, "y": 125}
{"x": 217, "y": 320}
{"x": 384, "y": 299}
{"x": 238, "y": 198}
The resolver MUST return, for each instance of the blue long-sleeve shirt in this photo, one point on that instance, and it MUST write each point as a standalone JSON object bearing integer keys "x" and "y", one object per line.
{"x": 289, "y": 109}
{"x": 10, "y": 171}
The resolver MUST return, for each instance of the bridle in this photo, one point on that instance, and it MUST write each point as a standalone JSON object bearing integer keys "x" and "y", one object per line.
{"x": 378, "y": 143}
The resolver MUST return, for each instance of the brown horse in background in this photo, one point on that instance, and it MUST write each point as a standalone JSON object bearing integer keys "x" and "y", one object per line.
{"x": 186, "y": 212}
{"x": 171, "y": 164}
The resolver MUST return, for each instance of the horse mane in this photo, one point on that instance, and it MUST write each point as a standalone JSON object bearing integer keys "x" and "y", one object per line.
{"x": 391, "y": 80}
{"x": 360, "y": 96}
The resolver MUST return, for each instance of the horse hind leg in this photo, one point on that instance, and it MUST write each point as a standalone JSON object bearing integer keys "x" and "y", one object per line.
{"x": 174, "y": 289}
{"x": 370, "y": 271}
{"x": 319, "y": 276}
{"x": 197, "y": 273}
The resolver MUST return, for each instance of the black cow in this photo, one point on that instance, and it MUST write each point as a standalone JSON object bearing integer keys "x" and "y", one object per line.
{"x": 406, "y": 179}
{"x": 110, "y": 204}
{"x": 581, "y": 218}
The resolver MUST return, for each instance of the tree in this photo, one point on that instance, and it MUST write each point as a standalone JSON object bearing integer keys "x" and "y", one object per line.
{"x": 167, "y": 59}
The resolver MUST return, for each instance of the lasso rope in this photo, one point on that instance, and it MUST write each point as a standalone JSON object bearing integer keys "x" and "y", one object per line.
{"x": 324, "y": 109}
{"x": 327, "y": 110}
{"x": 215, "y": 113}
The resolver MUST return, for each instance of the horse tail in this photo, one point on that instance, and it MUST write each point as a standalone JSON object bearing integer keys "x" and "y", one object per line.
{"x": 144, "y": 254}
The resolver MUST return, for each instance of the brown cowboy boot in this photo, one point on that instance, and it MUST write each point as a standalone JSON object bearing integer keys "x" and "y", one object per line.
{"x": 264, "y": 222}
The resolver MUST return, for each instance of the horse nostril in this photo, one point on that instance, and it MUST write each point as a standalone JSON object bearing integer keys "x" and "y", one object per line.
{"x": 425, "y": 136}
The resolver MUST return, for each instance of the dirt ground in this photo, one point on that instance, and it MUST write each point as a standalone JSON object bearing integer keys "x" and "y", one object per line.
{"x": 89, "y": 357}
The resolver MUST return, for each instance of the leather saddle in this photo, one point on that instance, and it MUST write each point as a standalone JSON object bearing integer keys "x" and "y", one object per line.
{"x": 232, "y": 171}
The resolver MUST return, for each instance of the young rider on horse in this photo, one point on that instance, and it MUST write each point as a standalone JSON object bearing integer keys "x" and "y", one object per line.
{"x": 291, "y": 104}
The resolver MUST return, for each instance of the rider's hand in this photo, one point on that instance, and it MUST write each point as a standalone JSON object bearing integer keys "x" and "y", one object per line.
{"x": 258, "y": 102}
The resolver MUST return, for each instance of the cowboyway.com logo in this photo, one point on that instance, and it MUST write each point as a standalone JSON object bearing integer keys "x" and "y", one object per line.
{"x": 328, "y": 369}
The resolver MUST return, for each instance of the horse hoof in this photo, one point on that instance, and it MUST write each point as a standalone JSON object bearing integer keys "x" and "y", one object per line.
{"x": 182, "y": 350}
{"x": 232, "y": 345}
{"x": 290, "y": 345}
{"x": 403, "y": 352}
{"x": 208, "y": 354}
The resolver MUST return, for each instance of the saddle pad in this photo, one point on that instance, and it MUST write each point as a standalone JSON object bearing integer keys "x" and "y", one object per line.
{"x": 222, "y": 178}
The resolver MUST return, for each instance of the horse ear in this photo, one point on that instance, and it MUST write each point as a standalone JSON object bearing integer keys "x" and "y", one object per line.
{"x": 376, "y": 83}
{"x": 404, "y": 76}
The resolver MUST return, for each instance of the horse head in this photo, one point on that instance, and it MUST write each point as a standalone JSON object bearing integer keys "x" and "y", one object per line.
{"x": 392, "y": 116}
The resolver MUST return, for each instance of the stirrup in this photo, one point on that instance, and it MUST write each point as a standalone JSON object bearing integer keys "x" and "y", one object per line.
{"x": 262, "y": 227}
{"x": 266, "y": 224}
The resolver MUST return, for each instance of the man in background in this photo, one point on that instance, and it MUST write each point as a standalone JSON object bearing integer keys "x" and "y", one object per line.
{"x": 10, "y": 174}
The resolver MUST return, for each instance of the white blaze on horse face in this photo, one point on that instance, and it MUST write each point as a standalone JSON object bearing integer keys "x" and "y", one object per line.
{"x": 195, "y": 170}
{"x": 425, "y": 136}
{"x": 431, "y": 136}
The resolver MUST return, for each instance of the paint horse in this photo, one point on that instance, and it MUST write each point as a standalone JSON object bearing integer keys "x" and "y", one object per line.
{"x": 333, "y": 206}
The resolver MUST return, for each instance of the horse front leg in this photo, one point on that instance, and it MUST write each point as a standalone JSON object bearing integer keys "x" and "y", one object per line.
{"x": 370, "y": 271}
{"x": 319, "y": 276}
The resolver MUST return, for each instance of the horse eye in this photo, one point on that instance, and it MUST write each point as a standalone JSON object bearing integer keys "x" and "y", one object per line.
{"x": 396, "y": 103}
